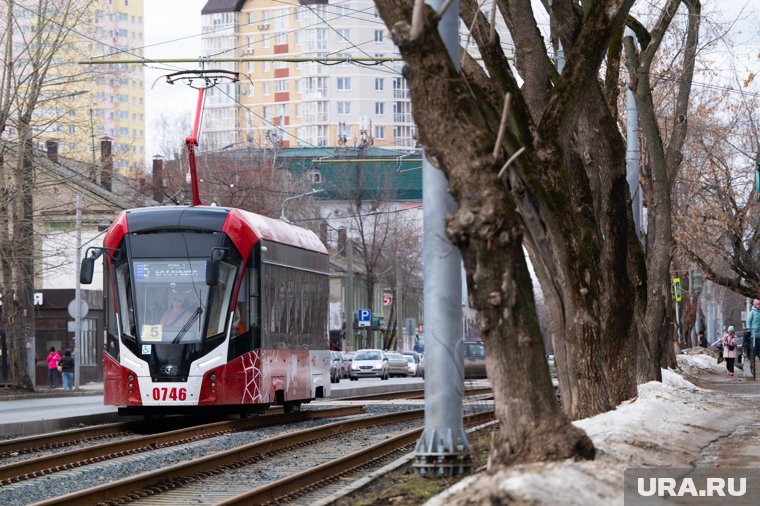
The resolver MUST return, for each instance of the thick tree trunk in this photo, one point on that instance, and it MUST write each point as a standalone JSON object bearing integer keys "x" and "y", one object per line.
{"x": 534, "y": 427}
{"x": 22, "y": 264}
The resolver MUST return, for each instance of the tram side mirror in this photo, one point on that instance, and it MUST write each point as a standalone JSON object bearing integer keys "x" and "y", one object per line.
{"x": 212, "y": 265}
{"x": 88, "y": 265}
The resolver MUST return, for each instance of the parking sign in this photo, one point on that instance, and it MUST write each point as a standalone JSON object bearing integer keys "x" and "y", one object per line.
{"x": 364, "y": 317}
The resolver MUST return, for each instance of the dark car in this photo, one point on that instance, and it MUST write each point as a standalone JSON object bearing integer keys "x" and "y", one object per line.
{"x": 474, "y": 360}
{"x": 336, "y": 363}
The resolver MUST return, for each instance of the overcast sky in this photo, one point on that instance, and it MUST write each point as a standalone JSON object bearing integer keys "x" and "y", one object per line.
{"x": 172, "y": 30}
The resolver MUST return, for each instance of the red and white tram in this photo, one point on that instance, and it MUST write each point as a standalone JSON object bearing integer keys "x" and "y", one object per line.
{"x": 211, "y": 308}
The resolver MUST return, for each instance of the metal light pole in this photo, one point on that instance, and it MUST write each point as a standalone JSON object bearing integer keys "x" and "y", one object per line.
{"x": 442, "y": 449}
{"x": 282, "y": 209}
{"x": 78, "y": 296}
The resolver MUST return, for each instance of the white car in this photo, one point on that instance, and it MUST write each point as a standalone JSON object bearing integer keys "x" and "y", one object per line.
{"x": 413, "y": 367}
{"x": 369, "y": 364}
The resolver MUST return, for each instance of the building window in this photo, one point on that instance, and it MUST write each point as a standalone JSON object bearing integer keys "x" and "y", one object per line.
{"x": 379, "y": 108}
{"x": 379, "y": 35}
{"x": 379, "y": 132}
{"x": 379, "y": 84}
{"x": 344, "y": 108}
{"x": 344, "y": 84}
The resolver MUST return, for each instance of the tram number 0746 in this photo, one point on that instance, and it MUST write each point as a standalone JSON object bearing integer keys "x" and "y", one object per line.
{"x": 173, "y": 394}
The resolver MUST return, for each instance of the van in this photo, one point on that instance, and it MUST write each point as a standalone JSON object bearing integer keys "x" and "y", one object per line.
{"x": 474, "y": 360}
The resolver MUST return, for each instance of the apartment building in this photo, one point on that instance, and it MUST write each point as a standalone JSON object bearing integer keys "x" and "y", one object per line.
{"x": 304, "y": 103}
{"x": 80, "y": 104}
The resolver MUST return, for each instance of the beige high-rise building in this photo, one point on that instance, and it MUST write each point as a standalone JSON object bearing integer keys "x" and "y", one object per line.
{"x": 81, "y": 104}
{"x": 305, "y": 103}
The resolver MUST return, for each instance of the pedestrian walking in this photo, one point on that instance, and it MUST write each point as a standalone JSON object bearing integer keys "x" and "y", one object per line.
{"x": 730, "y": 349}
{"x": 67, "y": 365}
{"x": 52, "y": 361}
{"x": 753, "y": 324}
{"x": 702, "y": 339}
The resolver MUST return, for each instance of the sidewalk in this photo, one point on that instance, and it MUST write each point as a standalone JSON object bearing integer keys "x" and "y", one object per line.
{"x": 696, "y": 418}
{"x": 41, "y": 392}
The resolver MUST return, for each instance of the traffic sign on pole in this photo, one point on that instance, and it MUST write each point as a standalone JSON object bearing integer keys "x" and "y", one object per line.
{"x": 84, "y": 308}
{"x": 677, "y": 288}
{"x": 365, "y": 317}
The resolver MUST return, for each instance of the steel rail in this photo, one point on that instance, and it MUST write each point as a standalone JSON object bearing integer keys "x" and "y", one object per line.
{"x": 173, "y": 476}
{"x": 31, "y": 468}
{"x": 408, "y": 394}
{"x": 335, "y": 469}
{"x": 61, "y": 438}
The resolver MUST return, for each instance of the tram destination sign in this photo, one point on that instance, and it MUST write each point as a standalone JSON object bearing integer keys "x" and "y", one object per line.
{"x": 150, "y": 271}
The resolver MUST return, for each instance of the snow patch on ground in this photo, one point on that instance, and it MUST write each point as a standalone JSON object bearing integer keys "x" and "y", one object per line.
{"x": 700, "y": 364}
{"x": 667, "y": 425}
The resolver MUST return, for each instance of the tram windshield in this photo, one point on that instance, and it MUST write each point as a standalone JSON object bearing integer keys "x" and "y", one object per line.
{"x": 172, "y": 302}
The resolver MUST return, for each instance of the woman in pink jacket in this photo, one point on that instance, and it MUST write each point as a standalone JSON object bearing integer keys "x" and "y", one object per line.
{"x": 52, "y": 361}
{"x": 730, "y": 349}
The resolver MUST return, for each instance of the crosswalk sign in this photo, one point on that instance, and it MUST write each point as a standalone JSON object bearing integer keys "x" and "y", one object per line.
{"x": 677, "y": 288}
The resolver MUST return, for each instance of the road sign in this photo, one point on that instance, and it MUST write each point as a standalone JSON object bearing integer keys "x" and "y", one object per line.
{"x": 83, "y": 308}
{"x": 677, "y": 288}
{"x": 387, "y": 300}
{"x": 365, "y": 317}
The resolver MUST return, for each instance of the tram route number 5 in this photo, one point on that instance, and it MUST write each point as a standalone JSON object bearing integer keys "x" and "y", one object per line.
{"x": 173, "y": 394}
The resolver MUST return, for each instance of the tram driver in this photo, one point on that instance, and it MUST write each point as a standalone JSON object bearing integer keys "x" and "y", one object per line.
{"x": 178, "y": 313}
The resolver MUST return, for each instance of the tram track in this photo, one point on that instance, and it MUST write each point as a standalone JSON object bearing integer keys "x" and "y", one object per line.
{"x": 251, "y": 474}
{"x": 47, "y": 464}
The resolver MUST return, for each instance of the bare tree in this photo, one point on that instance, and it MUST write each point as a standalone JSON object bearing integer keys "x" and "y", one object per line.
{"x": 554, "y": 178}
{"x": 664, "y": 140}
{"x": 29, "y": 77}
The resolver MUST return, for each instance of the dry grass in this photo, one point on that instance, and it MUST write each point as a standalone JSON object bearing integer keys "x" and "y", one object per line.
{"x": 404, "y": 487}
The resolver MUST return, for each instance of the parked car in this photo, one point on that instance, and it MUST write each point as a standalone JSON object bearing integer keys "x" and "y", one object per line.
{"x": 474, "y": 360}
{"x": 411, "y": 366}
{"x": 369, "y": 364}
{"x": 335, "y": 366}
{"x": 418, "y": 369}
{"x": 347, "y": 356}
{"x": 397, "y": 365}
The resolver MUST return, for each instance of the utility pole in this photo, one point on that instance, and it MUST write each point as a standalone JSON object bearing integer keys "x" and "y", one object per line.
{"x": 78, "y": 296}
{"x": 349, "y": 294}
{"x": 442, "y": 449}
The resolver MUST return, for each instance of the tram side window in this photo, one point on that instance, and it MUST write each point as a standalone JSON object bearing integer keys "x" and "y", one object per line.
{"x": 295, "y": 305}
{"x": 124, "y": 299}
{"x": 220, "y": 301}
{"x": 111, "y": 342}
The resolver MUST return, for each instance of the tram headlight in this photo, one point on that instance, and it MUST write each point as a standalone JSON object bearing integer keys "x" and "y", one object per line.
{"x": 130, "y": 377}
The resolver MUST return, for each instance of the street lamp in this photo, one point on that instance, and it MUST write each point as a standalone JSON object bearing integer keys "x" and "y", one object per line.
{"x": 282, "y": 209}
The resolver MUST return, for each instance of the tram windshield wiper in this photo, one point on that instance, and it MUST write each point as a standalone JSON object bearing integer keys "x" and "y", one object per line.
{"x": 187, "y": 325}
